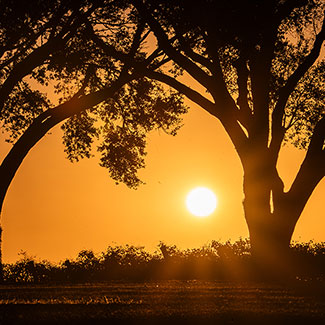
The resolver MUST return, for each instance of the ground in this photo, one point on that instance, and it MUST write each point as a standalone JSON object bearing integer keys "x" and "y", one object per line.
{"x": 163, "y": 302}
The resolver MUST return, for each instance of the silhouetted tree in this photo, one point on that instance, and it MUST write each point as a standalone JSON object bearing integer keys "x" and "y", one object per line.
{"x": 257, "y": 61}
{"x": 260, "y": 67}
{"x": 46, "y": 47}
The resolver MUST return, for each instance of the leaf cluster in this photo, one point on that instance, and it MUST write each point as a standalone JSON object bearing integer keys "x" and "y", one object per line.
{"x": 242, "y": 38}
{"x": 23, "y": 105}
{"x": 121, "y": 123}
{"x": 53, "y": 50}
{"x": 305, "y": 107}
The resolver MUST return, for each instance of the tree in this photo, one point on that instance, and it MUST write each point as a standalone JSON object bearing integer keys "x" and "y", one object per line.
{"x": 260, "y": 65}
{"x": 46, "y": 47}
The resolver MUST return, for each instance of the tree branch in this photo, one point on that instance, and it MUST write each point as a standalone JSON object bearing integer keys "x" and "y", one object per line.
{"x": 45, "y": 122}
{"x": 224, "y": 107}
{"x": 284, "y": 93}
{"x": 192, "y": 54}
{"x": 220, "y": 92}
{"x": 317, "y": 144}
{"x": 135, "y": 42}
{"x": 245, "y": 112}
{"x": 260, "y": 73}
{"x": 193, "y": 95}
{"x": 128, "y": 59}
{"x": 39, "y": 55}
{"x": 228, "y": 121}
{"x": 21, "y": 69}
{"x": 311, "y": 171}
{"x": 165, "y": 43}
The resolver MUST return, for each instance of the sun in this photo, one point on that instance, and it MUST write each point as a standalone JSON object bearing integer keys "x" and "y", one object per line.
{"x": 201, "y": 201}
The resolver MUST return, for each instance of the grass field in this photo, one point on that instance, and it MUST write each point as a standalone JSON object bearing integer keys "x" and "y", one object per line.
{"x": 163, "y": 302}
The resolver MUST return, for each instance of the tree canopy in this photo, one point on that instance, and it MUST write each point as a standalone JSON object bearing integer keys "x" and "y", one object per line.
{"x": 262, "y": 58}
{"x": 48, "y": 49}
{"x": 259, "y": 65}
{"x": 262, "y": 72}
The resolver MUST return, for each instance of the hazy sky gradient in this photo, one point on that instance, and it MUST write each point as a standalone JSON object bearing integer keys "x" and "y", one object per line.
{"x": 54, "y": 208}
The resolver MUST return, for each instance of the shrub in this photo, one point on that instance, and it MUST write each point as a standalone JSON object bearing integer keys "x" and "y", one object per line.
{"x": 214, "y": 261}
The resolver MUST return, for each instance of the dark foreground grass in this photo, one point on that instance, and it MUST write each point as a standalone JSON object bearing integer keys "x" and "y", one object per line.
{"x": 163, "y": 302}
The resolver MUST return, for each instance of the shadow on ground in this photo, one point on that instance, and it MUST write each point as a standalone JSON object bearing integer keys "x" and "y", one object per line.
{"x": 81, "y": 314}
{"x": 163, "y": 302}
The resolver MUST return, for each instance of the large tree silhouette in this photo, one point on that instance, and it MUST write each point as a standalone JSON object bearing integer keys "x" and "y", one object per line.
{"x": 259, "y": 64}
{"x": 46, "y": 48}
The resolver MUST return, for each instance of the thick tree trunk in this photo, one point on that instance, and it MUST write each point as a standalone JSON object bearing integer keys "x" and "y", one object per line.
{"x": 270, "y": 218}
{"x": 10, "y": 166}
{"x": 271, "y": 214}
{"x": 270, "y": 232}
{"x": 270, "y": 238}
{"x": 270, "y": 245}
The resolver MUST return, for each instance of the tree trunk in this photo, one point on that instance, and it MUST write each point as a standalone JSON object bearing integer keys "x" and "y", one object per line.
{"x": 270, "y": 217}
{"x": 44, "y": 123}
{"x": 270, "y": 245}
{"x": 15, "y": 157}
{"x": 1, "y": 265}
{"x": 270, "y": 235}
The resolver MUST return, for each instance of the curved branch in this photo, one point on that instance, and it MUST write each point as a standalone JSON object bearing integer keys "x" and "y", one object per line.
{"x": 192, "y": 54}
{"x": 229, "y": 121}
{"x": 44, "y": 123}
{"x": 193, "y": 95}
{"x": 165, "y": 43}
{"x": 223, "y": 108}
{"x": 311, "y": 171}
{"x": 284, "y": 93}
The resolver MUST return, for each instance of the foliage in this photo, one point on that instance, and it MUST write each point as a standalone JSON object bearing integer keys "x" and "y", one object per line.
{"x": 236, "y": 35}
{"x": 28, "y": 270}
{"x": 215, "y": 261}
{"x": 305, "y": 107}
{"x": 51, "y": 49}
{"x": 261, "y": 69}
{"x": 257, "y": 62}
{"x": 135, "y": 110}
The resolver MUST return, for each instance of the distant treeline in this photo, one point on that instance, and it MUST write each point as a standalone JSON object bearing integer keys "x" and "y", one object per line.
{"x": 215, "y": 261}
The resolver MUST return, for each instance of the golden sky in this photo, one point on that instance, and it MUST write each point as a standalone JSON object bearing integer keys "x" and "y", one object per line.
{"x": 55, "y": 208}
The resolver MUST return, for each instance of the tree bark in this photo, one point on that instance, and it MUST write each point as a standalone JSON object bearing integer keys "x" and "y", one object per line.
{"x": 272, "y": 214}
{"x": 270, "y": 229}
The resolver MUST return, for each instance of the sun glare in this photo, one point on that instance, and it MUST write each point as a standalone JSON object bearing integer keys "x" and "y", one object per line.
{"x": 201, "y": 201}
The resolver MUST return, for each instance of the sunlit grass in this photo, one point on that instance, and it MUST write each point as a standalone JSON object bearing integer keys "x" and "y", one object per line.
{"x": 101, "y": 300}
{"x": 191, "y": 298}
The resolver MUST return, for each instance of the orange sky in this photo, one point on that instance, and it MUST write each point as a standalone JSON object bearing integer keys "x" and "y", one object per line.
{"x": 54, "y": 208}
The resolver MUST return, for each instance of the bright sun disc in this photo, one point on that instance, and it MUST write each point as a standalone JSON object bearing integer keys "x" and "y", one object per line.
{"x": 201, "y": 201}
